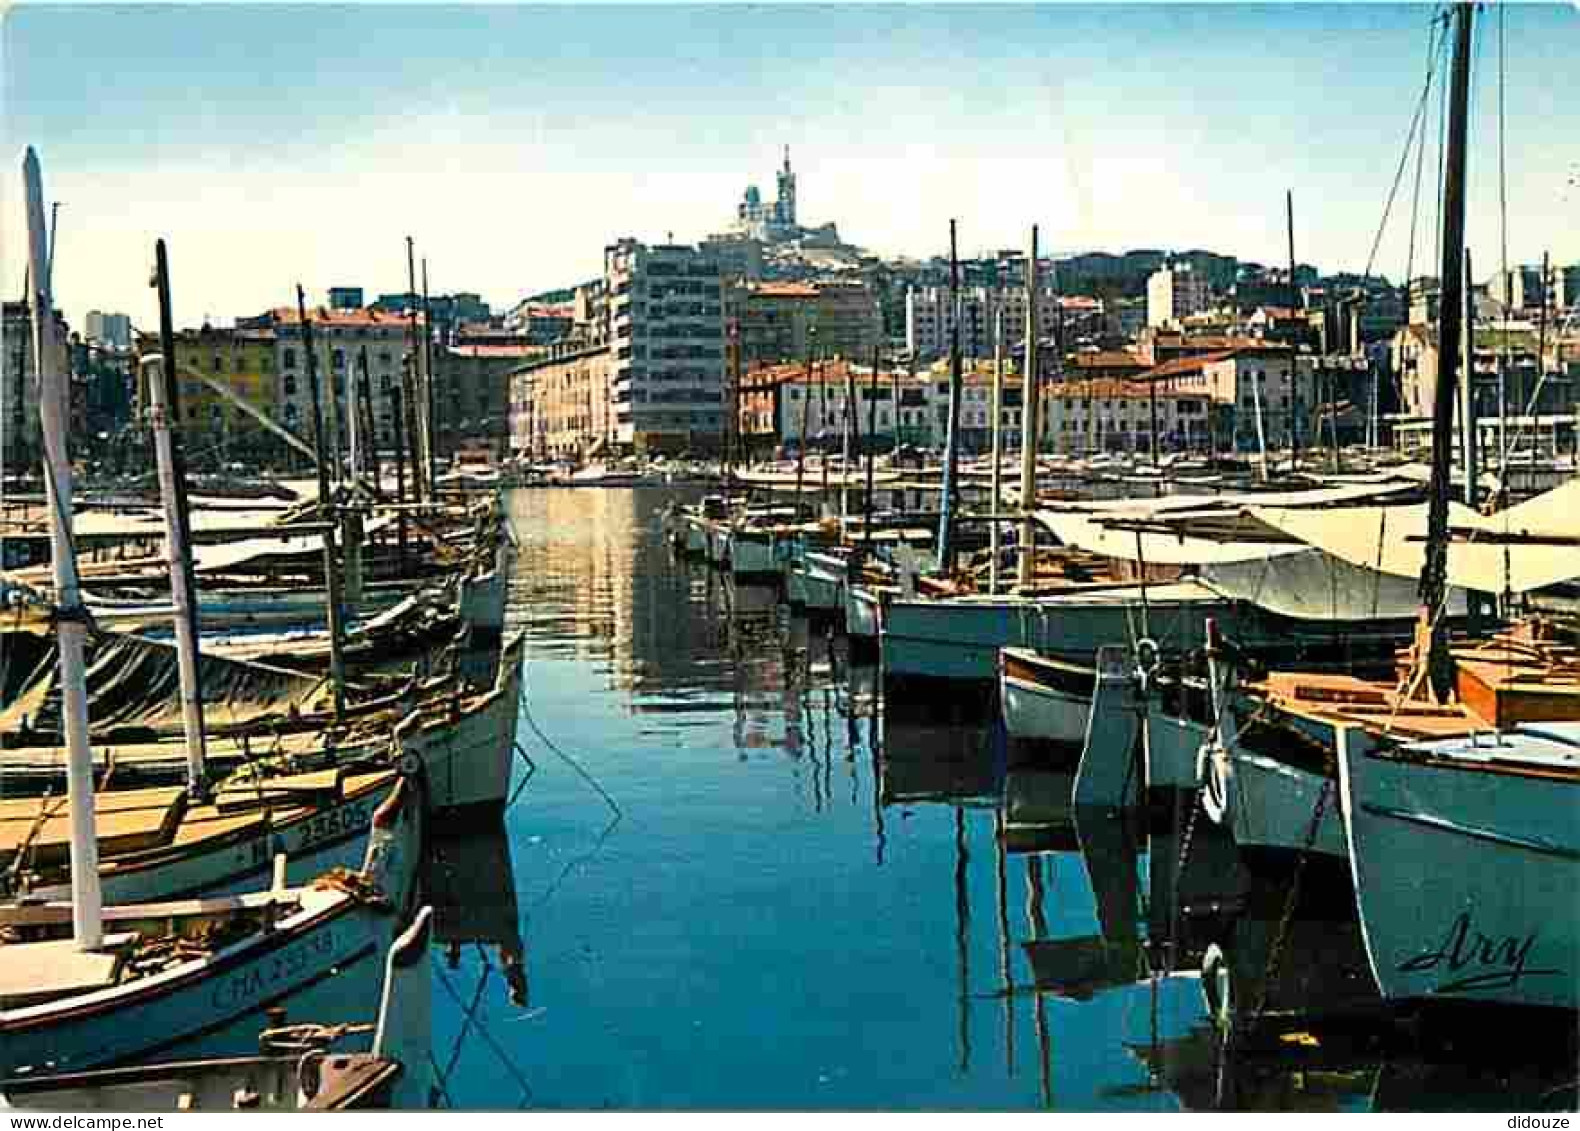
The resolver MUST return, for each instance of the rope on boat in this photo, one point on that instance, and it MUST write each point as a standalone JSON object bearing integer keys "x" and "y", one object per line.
{"x": 307, "y": 1037}
{"x": 355, "y": 884}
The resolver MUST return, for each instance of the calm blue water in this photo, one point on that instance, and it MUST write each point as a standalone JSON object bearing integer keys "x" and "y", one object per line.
{"x": 724, "y": 885}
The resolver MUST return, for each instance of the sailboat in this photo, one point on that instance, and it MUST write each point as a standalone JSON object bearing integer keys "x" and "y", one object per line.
{"x": 298, "y": 1069}
{"x": 66, "y": 983}
{"x": 1277, "y": 782}
{"x": 1465, "y": 856}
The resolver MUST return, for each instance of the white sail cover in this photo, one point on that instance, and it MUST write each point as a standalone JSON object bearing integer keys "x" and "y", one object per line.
{"x": 1393, "y": 540}
{"x": 1086, "y": 531}
{"x": 1204, "y": 529}
{"x": 1309, "y": 584}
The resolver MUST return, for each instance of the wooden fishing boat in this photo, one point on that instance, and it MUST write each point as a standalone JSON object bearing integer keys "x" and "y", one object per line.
{"x": 182, "y": 968}
{"x": 159, "y": 844}
{"x": 298, "y": 1070}
{"x": 1044, "y": 700}
{"x": 1277, "y": 784}
{"x": 461, "y": 734}
{"x": 1465, "y": 855}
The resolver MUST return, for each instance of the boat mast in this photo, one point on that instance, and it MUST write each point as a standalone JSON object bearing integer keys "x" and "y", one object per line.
{"x": 946, "y": 515}
{"x": 1030, "y": 423}
{"x": 412, "y": 376}
{"x": 851, "y": 441}
{"x": 430, "y": 390}
{"x": 806, "y": 412}
{"x": 1450, "y": 314}
{"x": 1469, "y": 426}
{"x": 1294, "y": 306}
{"x": 326, "y": 514}
{"x": 369, "y": 422}
{"x": 872, "y": 447}
{"x": 996, "y": 476}
{"x": 430, "y": 394}
{"x": 397, "y": 416}
{"x": 165, "y": 397}
{"x": 71, "y": 617}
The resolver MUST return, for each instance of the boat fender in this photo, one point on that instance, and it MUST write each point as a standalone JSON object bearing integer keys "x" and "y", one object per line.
{"x": 1147, "y": 655}
{"x": 1216, "y": 988}
{"x": 1215, "y": 773}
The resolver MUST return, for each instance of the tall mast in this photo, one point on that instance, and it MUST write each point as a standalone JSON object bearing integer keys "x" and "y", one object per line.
{"x": 430, "y": 411}
{"x": 872, "y": 447}
{"x": 1294, "y": 305}
{"x": 946, "y": 516}
{"x": 851, "y": 442}
{"x": 165, "y": 397}
{"x": 71, "y": 617}
{"x": 412, "y": 373}
{"x": 806, "y": 412}
{"x": 1450, "y": 315}
{"x": 1031, "y": 422}
{"x": 326, "y": 514}
{"x": 995, "y": 475}
{"x": 1469, "y": 427}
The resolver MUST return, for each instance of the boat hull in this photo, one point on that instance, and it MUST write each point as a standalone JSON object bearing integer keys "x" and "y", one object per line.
{"x": 332, "y": 836}
{"x": 1042, "y": 700}
{"x": 751, "y": 555}
{"x": 467, "y": 757}
{"x": 1272, "y": 806}
{"x": 1466, "y": 879}
{"x": 822, "y": 583}
{"x": 863, "y": 615}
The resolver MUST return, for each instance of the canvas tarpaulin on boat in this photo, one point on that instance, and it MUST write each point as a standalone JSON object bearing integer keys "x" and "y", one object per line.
{"x": 135, "y": 682}
{"x": 1127, "y": 543}
{"x": 1393, "y": 540}
{"x": 1312, "y": 585}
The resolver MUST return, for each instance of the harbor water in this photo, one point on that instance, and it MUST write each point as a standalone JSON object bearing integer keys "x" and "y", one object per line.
{"x": 732, "y": 878}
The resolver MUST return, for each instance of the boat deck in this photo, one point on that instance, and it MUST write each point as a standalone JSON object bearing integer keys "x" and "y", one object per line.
{"x": 43, "y": 971}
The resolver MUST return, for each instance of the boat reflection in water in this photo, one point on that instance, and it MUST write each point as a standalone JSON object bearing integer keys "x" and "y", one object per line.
{"x": 927, "y": 759}
{"x": 479, "y": 956}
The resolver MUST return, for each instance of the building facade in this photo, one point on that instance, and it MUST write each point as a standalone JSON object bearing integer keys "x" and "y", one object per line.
{"x": 113, "y": 330}
{"x": 19, "y": 420}
{"x": 339, "y": 339}
{"x": 780, "y": 404}
{"x": 930, "y": 318}
{"x": 472, "y": 395}
{"x": 666, "y": 330}
{"x": 1175, "y": 292}
{"x": 560, "y": 405}
{"x": 777, "y": 322}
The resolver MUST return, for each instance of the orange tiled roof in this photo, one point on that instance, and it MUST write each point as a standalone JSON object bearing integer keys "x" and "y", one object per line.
{"x": 1114, "y": 388}
{"x": 524, "y": 349}
{"x": 784, "y": 290}
{"x": 1107, "y": 359}
{"x": 329, "y": 316}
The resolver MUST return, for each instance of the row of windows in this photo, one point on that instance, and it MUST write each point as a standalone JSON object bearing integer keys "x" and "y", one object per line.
{"x": 337, "y": 358}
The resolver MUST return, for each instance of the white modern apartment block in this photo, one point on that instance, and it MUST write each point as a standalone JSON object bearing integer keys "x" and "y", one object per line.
{"x": 930, "y": 319}
{"x": 1173, "y": 293}
{"x": 108, "y": 329}
{"x": 666, "y": 328}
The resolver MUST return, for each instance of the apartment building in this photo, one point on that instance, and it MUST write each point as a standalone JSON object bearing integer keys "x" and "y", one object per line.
{"x": 19, "y": 423}
{"x": 930, "y": 317}
{"x": 242, "y": 359}
{"x": 666, "y": 332}
{"x": 560, "y": 405}
{"x": 339, "y": 339}
{"x": 785, "y": 321}
{"x": 1173, "y": 293}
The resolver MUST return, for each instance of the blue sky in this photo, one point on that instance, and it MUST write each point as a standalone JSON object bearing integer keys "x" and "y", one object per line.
{"x": 271, "y": 143}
